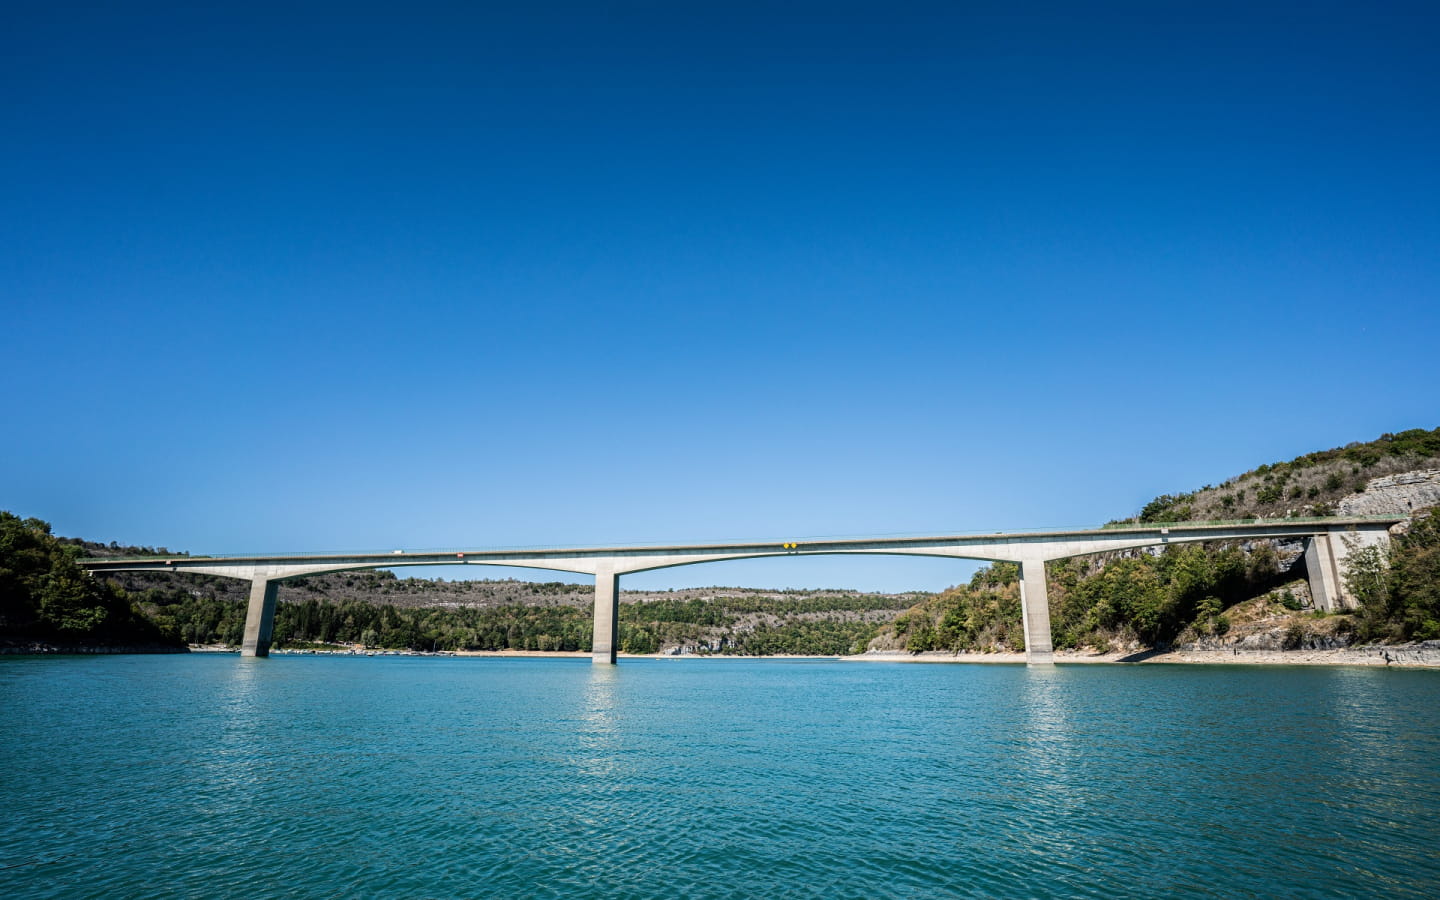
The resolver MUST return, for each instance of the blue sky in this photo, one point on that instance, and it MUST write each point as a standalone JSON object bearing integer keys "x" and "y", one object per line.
{"x": 307, "y": 277}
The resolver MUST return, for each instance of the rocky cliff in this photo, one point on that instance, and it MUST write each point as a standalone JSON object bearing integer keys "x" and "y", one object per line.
{"x": 1394, "y": 495}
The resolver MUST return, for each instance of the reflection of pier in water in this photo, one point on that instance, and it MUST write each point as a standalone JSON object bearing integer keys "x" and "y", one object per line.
{"x": 1327, "y": 542}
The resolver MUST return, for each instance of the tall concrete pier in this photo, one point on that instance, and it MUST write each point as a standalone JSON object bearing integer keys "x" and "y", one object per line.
{"x": 259, "y": 617}
{"x": 1329, "y": 541}
{"x": 1035, "y": 613}
{"x": 605, "y": 637}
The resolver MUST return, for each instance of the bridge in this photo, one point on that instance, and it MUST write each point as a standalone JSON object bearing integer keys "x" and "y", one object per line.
{"x": 1328, "y": 541}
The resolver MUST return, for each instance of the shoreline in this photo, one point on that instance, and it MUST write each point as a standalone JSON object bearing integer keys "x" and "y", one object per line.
{"x": 1426, "y": 655}
{"x": 1423, "y": 655}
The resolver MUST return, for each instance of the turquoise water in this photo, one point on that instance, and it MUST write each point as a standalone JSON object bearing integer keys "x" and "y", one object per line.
{"x": 298, "y": 776}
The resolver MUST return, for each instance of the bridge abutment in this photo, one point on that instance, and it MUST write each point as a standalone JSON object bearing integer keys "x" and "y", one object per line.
{"x": 259, "y": 617}
{"x": 1035, "y": 613}
{"x": 605, "y": 636}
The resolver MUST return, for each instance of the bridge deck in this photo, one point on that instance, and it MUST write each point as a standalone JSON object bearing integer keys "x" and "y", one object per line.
{"x": 1175, "y": 531}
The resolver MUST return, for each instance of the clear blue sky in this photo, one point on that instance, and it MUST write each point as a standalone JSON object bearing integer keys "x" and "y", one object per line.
{"x": 306, "y": 277}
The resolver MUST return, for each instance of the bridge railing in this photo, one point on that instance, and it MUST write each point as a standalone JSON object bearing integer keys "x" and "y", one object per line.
{"x": 403, "y": 554}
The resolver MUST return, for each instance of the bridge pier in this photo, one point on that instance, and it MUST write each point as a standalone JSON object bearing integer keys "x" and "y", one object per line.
{"x": 259, "y": 617}
{"x": 1323, "y": 572}
{"x": 1035, "y": 613}
{"x": 605, "y": 636}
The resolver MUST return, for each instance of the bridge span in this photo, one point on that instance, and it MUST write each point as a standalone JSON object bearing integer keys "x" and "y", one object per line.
{"x": 1328, "y": 541}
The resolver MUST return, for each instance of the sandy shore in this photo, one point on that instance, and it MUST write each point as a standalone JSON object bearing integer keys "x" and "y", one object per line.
{"x": 567, "y": 654}
{"x": 523, "y": 654}
{"x": 1407, "y": 655}
{"x": 1425, "y": 655}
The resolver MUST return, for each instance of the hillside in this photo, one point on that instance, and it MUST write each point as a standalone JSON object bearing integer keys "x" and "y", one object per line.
{"x": 378, "y": 609}
{"x": 1251, "y": 595}
{"x": 47, "y": 602}
{"x": 1357, "y": 479}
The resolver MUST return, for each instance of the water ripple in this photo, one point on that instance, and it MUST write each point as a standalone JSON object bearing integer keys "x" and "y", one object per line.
{"x": 316, "y": 777}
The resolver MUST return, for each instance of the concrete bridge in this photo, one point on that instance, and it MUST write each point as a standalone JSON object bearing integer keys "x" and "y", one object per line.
{"x": 1328, "y": 542}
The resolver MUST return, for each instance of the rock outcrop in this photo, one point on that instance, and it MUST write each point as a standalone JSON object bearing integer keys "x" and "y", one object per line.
{"x": 1394, "y": 495}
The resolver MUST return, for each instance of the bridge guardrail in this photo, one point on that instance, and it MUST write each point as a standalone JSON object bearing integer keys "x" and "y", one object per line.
{"x": 540, "y": 548}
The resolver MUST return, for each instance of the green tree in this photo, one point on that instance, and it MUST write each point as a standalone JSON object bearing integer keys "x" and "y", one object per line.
{"x": 45, "y": 594}
{"x": 1411, "y": 609}
{"x": 1367, "y": 574}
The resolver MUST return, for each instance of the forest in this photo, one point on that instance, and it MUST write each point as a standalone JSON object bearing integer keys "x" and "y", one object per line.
{"x": 46, "y": 596}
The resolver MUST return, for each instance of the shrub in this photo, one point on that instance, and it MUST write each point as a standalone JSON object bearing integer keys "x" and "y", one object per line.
{"x": 1162, "y": 508}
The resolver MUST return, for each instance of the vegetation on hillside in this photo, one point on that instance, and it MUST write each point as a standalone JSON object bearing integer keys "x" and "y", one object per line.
{"x": 983, "y": 615}
{"x": 1149, "y": 599}
{"x": 45, "y": 596}
{"x": 1399, "y": 591}
{"x": 382, "y": 586}
{"x": 1308, "y": 485}
{"x": 751, "y": 624}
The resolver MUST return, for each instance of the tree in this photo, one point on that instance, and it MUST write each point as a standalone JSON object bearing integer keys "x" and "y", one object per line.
{"x": 1415, "y": 578}
{"x": 45, "y": 594}
{"x": 1367, "y": 578}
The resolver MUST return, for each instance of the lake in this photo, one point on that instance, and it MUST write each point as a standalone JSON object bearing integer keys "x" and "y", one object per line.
{"x": 317, "y": 776}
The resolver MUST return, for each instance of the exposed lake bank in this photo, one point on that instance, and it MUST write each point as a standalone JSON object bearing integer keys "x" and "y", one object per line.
{"x": 46, "y": 648}
{"x": 1423, "y": 654}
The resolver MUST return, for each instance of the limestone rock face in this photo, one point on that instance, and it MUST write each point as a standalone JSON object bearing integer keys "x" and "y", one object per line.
{"x": 1394, "y": 495}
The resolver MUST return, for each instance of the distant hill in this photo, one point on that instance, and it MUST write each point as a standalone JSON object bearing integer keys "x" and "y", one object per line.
{"x": 378, "y": 609}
